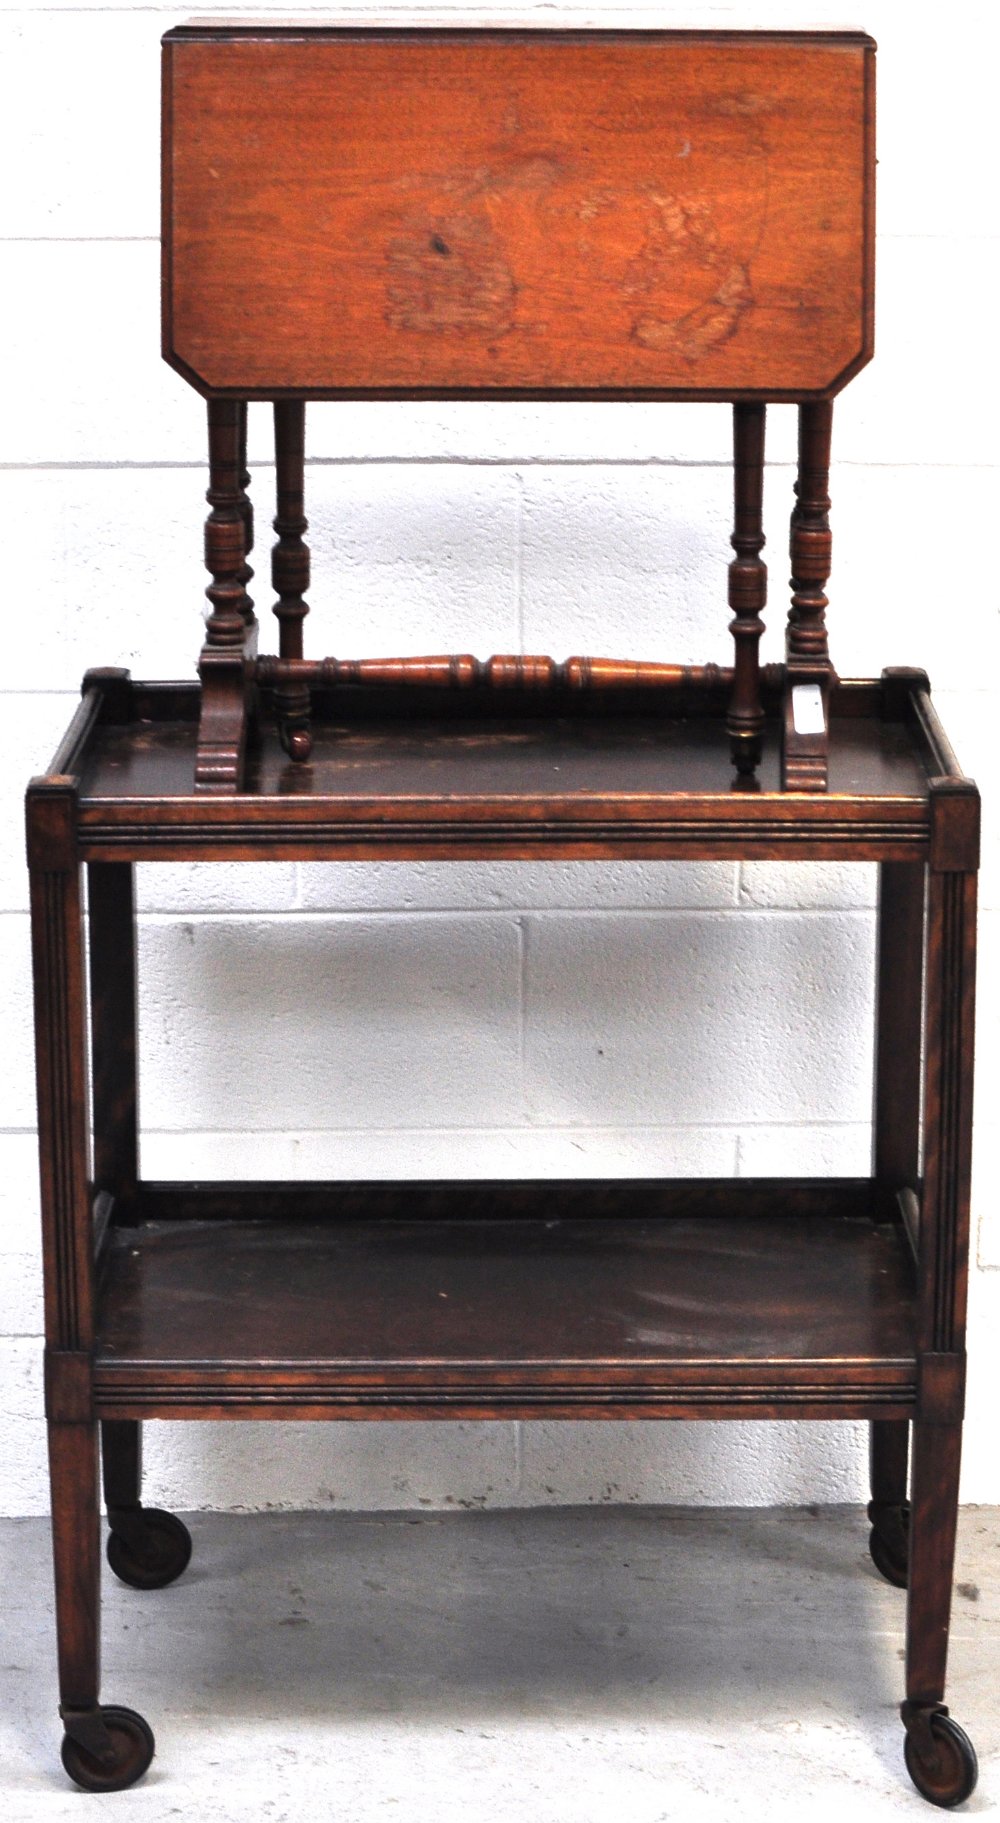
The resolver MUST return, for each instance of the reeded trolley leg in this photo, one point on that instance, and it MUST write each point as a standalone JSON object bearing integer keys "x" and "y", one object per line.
{"x": 76, "y": 1553}
{"x": 896, "y": 1160}
{"x": 105, "y": 1748}
{"x": 146, "y": 1547}
{"x": 940, "y": 1758}
{"x": 290, "y": 571}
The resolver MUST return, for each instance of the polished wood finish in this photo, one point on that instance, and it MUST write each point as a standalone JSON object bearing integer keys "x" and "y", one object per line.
{"x": 949, "y": 989}
{"x": 889, "y": 1463}
{"x": 113, "y": 1035}
{"x": 61, "y": 1066}
{"x": 503, "y": 671}
{"x": 896, "y": 1160}
{"x": 806, "y": 751}
{"x": 121, "y": 1461}
{"x": 660, "y": 1315}
{"x": 290, "y": 573}
{"x": 76, "y": 1549}
{"x": 794, "y": 1298}
{"x": 937, "y": 1454}
{"x": 246, "y": 510}
{"x": 898, "y": 1022}
{"x": 516, "y": 213}
{"x": 231, "y": 629}
{"x": 512, "y": 213}
{"x": 471, "y": 774}
{"x": 747, "y": 587}
{"x": 494, "y": 214}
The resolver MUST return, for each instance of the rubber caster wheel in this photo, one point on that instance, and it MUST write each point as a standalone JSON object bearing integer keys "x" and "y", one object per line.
{"x": 951, "y": 1776}
{"x": 153, "y": 1551}
{"x": 133, "y": 1744}
{"x": 889, "y": 1543}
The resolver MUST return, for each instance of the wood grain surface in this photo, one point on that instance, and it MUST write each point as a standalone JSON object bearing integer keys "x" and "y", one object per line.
{"x": 520, "y": 213}
{"x": 676, "y": 1311}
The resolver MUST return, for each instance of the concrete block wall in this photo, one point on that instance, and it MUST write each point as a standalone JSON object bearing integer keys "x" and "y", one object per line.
{"x": 502, "y": 1019}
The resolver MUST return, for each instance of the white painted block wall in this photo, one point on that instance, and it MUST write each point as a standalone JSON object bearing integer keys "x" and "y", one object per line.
{"x": 427, "y": 1019}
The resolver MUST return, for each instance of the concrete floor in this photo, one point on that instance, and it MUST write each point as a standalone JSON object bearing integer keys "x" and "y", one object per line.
{"x": 538, "y": 1666}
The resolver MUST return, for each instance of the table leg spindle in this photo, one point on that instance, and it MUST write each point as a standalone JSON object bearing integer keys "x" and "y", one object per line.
{"x": 231, "y": 631}
{"x": 246, "y": 509}
{"x": 809, "y": 672}
{"x": 747, "y": 587}
{"x": 290, "y": 571}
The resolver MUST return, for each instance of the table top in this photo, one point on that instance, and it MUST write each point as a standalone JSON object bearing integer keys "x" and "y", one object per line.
{"x": 511, "y": 213}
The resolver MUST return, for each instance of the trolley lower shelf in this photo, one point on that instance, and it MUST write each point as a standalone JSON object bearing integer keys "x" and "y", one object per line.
{"x": 449, "y": 1300}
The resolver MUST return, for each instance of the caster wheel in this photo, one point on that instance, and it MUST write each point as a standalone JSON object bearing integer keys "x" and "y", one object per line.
{"x": 133, "y": 1744}
{"x": 889, "y": 1544}
{"x": 951, "y": 1776}
{"x": 299, "y": 744}
{"x": 153, "y": 1550}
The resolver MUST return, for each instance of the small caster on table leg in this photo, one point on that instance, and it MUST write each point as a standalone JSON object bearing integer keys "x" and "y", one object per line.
{"x": 147, "y": 1548}
{"x": 889, "y": 1540}
{"x": 939, "y": 1755}
{"x": 106, "y": 1749}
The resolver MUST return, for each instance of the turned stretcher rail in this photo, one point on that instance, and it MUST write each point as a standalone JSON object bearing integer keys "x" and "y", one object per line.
{"x": 503, "y": 671}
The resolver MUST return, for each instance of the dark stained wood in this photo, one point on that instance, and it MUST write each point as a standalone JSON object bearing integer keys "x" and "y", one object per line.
{"x": 628, "y": 1311}
{"x": 512, "y": 213}
{"x": 517, "y": 213}
{"x": 121, "y": 1459}
{"x": 506, "y": 213}
{"x": 491, "y": 773}
{"x": 61, "y": 1076}
{"x": 759, "y": 1299}
{"x": 576, "y": 1199}
{"x": 77, "y": 1561}
{"x": 806, "y": 752}
{"x": 113, "y": 1039}
{"x": 889, "y": 1463}
{"x": 246, "y": 510}
{"x": 949, "y": 1052}
{"x": 522, "y": 671}
{"x": 896, "y": 1129}
{"x": 226, "y": 526}
{"x": 898, "y": 1021}
{"x": 231, "y": 630}
{"x": 937, "y": 1455}
{"x": 747, "y": 587}
{"x": 290, "y": 572}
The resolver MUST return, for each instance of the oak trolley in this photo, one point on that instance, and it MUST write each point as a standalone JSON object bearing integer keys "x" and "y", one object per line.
{"x": 507, "y": 214}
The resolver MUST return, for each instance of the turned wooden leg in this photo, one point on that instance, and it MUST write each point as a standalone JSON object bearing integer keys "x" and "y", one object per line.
{"x": 231, "y": 631}
{"x": 809, "y": 672}
{"x": 747, "y": 588}
{"x": 290, "y": 571}
{"x": 246, "y": 508}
